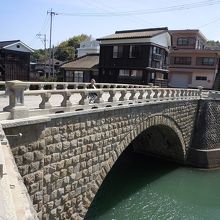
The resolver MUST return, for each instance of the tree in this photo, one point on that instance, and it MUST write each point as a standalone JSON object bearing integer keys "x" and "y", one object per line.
{"x": 213, "y": 43}
{"x": 38, "y": 55}
{"x": 66, "y": 50}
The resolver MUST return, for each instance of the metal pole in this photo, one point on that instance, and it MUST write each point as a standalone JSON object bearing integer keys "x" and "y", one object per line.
{"x": 50, "y": 49}
{"x": 53, "y": 62}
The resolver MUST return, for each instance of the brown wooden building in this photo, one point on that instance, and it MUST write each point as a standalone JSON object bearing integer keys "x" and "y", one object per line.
{"x": 135, "y": 56}
{"x": 14, "y": 60}
{"x": 82, "y": 69}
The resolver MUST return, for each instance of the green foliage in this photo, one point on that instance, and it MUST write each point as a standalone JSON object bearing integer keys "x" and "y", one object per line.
{"x": 38, "y": 55}
{"x": 47, "y": 79}
{"x": 213, "y": 43}
{"x": 66, "y": 50}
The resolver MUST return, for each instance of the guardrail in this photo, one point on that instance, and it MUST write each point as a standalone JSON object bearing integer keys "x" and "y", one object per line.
{"x": 107, "y": 95}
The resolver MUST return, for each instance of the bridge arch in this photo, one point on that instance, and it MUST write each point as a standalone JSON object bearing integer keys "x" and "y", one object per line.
{"x": 162, "y": 124}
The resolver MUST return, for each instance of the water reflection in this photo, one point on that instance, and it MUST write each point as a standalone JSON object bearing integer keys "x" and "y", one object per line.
{"x": 140, "y": 187}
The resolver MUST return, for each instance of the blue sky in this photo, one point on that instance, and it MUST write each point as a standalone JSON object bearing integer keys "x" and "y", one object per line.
{"x": 24, "y": 19}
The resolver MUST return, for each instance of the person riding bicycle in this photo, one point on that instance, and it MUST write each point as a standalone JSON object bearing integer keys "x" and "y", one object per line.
{"x": 92, "y": 95}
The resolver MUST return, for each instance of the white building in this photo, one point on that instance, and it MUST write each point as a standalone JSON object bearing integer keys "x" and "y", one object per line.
{"x": 88, "y": 47}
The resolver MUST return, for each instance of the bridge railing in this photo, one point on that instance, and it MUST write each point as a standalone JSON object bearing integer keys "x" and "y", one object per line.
{"x": 211, "y": 94}
{"x": 51, "y": 98}
{"x": 2, "y": 88}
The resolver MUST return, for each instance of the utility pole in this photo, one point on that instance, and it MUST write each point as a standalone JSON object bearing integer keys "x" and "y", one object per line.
{"x": 44, "y": 41}
{"x": 52, "y": 13}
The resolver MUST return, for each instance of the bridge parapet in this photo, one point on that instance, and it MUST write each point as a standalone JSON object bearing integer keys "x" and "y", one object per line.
{"x": 75, "y": 96}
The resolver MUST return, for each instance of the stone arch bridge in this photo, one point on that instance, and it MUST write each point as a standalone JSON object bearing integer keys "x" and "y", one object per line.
{"x": 66, "y": 151}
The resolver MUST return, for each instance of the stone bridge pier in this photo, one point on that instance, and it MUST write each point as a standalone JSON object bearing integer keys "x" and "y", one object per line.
{"x": 64, "y": 158}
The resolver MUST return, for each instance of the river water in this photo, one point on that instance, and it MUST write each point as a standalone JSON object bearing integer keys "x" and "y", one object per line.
{"x": 141, "y": 187}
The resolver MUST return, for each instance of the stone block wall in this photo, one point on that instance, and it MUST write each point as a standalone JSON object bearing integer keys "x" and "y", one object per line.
{"x": 64, "y": 161}
{"x": 205, "y": 150}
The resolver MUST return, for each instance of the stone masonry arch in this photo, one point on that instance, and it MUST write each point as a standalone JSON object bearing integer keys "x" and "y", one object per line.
{"x": 152, "y": 121}
{"x": 63, "y": 159}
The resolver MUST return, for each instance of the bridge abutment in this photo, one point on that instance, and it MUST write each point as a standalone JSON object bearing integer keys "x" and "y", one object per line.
{"x": 205, "y": 148}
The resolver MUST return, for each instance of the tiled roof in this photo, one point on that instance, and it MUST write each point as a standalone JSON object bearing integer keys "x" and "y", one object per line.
{"x": 7, "y": 43}
{"x": 140, "y": 33}
{"x": 89, "y": 61}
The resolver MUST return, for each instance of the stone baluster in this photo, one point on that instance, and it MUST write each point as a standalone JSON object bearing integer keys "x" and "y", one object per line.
{"x": 112, "y": 97}
{"x": 181, "y": 93}
{"x": 53, "y": 86}
{"x": 177, "y": 93}
{"x": 65, "y": 86}
{"x": 148, "y": 93}
{"x": 108, "y": 86}
{"x": 123, "y": 95}
{"x": 41, "y": 86}
{"x": 84, "y": 98}
{"x": 162, "y": 93}
{"x": 45, "y": 103}
{"x": 172, "y": 94}
{"x": 66, "y": 99}
{"x": 200, "y": 88}
{"x": 114, "y": 86}
{"x": 15, "y": 90}
{"x": 84, "y": 86}
{"x": 141, "y": 94}
{"x": 99, "y": 98}
{"x": 189, "y": 93}
{"x": 101, "y": 86}
{"x": 74, "y": 86}
{"x": 166, "y": 93}
{"x": 132, "y": 96}
{"x": 156, "y": 93}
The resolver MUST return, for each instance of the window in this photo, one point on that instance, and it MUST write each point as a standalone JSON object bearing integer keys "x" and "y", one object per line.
{"x": 182, "y": 60}
{"x": 69, "y": 76}
{"x": 133, "y": 51}
{"x": 78, "y": 76}
{"x": 186, "y": 41}
{"x": 124, "y": 73}
{"x": 130, "y": 73}
{"x": 201, "y": 78}
{"x": 208, "y": 61}
{"x": 117, "y": 51}
{"x": 156, "y": 64}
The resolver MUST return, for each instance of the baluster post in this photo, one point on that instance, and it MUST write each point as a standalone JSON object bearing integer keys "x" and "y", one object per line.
{"x": 99, "y": 98}
{"x": 200, "y": 88}
{"x": 66, "y": 99}
{"x": 45, "y": 103}
{"x": 123, "y": 95}
{"x": 112, "y": 97}
{"x": 15, "y": 90}
{"x": 84, "y": 98}
{"x": 141, "y": 95}
{"x": 132, "y": 96}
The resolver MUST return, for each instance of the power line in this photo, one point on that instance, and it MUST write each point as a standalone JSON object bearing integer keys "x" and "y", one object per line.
{"x": 110, "y": 9}
{"x": 211, "y": 22}
{"x": 146, "y": 11}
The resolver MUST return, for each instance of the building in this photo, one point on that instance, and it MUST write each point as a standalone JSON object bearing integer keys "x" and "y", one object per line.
{"x": 135, "y": 56}
{"x": 82, "y": 69}
{"x": 45, "y": 68}
{"x": 14, "y": 60}
{"x": 192, "y": 65}
{"x": 88, "y": 47}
